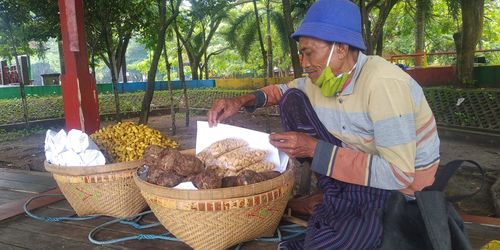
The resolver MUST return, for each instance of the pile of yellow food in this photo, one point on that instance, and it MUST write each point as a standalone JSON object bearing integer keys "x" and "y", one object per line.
{"x": 126, "y": 141}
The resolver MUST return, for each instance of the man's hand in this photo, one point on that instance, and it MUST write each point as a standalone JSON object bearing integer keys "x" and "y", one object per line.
{"x": 294, "y": 144}
{"x": 222, "y": 109}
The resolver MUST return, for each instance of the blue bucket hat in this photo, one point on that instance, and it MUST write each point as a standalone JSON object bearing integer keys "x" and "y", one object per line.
{"x": 333, "y": 21}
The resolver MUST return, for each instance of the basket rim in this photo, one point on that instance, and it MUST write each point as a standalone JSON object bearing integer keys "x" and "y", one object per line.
{"x": 92, "y": 170}
{"x": 98, "y": 169}
{"x": 218, "y": 193}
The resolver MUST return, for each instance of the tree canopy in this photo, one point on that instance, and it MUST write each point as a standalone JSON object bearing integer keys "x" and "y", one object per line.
{"x": 229, "y": 38}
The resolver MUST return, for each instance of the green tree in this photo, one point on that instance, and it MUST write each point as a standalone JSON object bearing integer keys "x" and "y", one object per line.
{"x": 374, "y": 13}
{"x": 467, "y": 38}
{"x": 163, "y": 25}
{"x": 111, "y": 24}
{"x": 15, "y": 20}
{"x": 244, "y": 31}
{"x": 423, "y": 9}
{"x": 294, "y": 53}
{"x": 196, "y": 28}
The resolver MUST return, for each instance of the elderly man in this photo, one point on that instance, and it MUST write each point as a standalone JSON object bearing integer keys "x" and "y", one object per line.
{"x": 364, "y": 122}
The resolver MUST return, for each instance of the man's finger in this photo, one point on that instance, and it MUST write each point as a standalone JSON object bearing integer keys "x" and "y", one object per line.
{"x": 213, "y": 113}
{"x": 223, "y": 117}
{"x": 280, "y": 137}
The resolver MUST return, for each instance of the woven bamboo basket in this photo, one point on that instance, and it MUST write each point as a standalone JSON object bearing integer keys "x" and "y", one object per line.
{"x": 220, "y": 218}
{"x": 105, "y": 190}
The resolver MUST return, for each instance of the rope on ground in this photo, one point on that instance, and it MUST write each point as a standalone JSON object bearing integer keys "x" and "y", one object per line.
{"x": 283, "y": 233}
{"x": 53, "y": 219}
{"x": 130, "y": 221}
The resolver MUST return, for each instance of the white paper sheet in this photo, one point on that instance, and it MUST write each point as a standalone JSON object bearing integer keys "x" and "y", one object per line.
{"x": 186, "y": 185}
{"x": 259, "y": 140}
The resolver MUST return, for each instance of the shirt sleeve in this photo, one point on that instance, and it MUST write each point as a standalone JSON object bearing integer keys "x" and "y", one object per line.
{"x": 391, "y": 109}
{"x": 270, "y": 95}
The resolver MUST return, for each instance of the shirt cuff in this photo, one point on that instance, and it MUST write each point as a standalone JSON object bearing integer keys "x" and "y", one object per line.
{"x": 323, "y": 161}
{"x": 260, "y": 101}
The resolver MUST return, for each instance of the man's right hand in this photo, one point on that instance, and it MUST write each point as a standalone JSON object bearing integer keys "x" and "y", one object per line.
{"x": 222, "y": 109}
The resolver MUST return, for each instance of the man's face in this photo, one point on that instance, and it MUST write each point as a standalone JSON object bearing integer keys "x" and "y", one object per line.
{"x": 314, "y": 53}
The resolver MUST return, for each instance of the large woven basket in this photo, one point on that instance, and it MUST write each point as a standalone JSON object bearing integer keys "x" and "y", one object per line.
{"x": 220, "y": 218}
{"x": 104, "y": 190}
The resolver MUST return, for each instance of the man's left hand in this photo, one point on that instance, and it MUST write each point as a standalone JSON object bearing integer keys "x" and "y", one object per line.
{"x": 294, "y": 144}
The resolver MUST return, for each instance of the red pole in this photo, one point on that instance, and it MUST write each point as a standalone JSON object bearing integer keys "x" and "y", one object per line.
{"x": 81, "y": 106}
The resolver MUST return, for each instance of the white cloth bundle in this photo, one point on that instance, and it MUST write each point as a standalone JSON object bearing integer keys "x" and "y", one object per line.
{"x": 73, "y": 149}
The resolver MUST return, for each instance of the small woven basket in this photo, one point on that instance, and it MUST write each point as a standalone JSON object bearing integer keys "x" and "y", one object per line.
{"x": 220, "y": 218}
{"x": 105, "y": 190}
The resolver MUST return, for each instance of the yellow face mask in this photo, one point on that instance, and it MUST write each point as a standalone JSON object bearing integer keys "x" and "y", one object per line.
{"x": 328, "y": 82}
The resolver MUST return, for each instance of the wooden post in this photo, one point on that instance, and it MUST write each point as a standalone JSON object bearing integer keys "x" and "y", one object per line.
{"x": 81, "y": 107}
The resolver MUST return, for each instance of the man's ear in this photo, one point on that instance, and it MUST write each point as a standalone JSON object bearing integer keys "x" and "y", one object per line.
{"x": 342, "y": 50}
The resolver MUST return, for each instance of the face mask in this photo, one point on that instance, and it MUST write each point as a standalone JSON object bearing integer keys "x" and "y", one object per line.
{"x": 328, "y": 82}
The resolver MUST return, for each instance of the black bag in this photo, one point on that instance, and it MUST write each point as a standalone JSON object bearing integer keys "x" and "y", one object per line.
{"x": 430, "y": 221}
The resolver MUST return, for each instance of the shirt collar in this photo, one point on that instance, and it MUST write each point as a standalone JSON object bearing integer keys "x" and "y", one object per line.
{"x": 361, "y": 62}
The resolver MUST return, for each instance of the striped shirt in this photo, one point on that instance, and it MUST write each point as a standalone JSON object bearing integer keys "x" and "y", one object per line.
{"x": 388, "y": 131}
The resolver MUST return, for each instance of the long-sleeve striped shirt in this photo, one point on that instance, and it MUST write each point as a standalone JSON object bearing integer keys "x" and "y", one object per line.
{"x": 387, "y": 128}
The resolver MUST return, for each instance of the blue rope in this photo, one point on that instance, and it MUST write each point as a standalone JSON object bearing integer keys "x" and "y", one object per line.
{"x": 130, "y": 221}
{"x": 292, "y": 231}
{"x": 135, "y": 222}
{"x": 53, "y": 219}
{"x": 284, "y": 232}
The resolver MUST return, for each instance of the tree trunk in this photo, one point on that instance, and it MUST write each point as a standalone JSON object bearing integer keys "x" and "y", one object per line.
{"x": 124, "y": 69}
{"x": 194, "y": 67}
{"x": 294, "y": 52}
{"x": 150, "y": 87}
{"x": 365, "y": 25}
{"x": 169, "y": 83}
{"x": 205, "y": 57}
{"x": 21, "y": 79}
{"x": 370, "y": 35}
{"x": 182, "y": 78}
{"x": 92, "y": 67}
{"x": 420, "y": 30}
{"x": 380, "y": 42}
{"x": 270, "y": 70}
{"x": 457, "y": 38}
{"x": 21, "y": 88}
{"x": 472, "y": 28}
{"x": 113, "y": 69}
{"x": 259, "y": 32}
{"x": 114, "y": 81}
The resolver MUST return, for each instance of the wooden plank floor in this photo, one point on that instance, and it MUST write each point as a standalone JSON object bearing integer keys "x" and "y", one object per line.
{"x": 19, "y": 184}
{"x": 22, "y": 232}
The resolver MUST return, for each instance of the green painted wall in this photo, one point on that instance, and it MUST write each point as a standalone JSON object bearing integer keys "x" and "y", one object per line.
{"x": 13, "y": 92}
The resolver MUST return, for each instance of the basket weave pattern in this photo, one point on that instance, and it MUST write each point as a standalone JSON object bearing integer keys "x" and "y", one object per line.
{"x": 204, "y": 220}
{"x": 105, "y": 190}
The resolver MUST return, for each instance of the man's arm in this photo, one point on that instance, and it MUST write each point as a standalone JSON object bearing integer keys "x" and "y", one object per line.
{"x": 224, "y": 108}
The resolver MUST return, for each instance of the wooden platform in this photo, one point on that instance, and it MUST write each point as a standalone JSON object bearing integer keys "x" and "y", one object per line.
{"x": 23, "y": 232}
